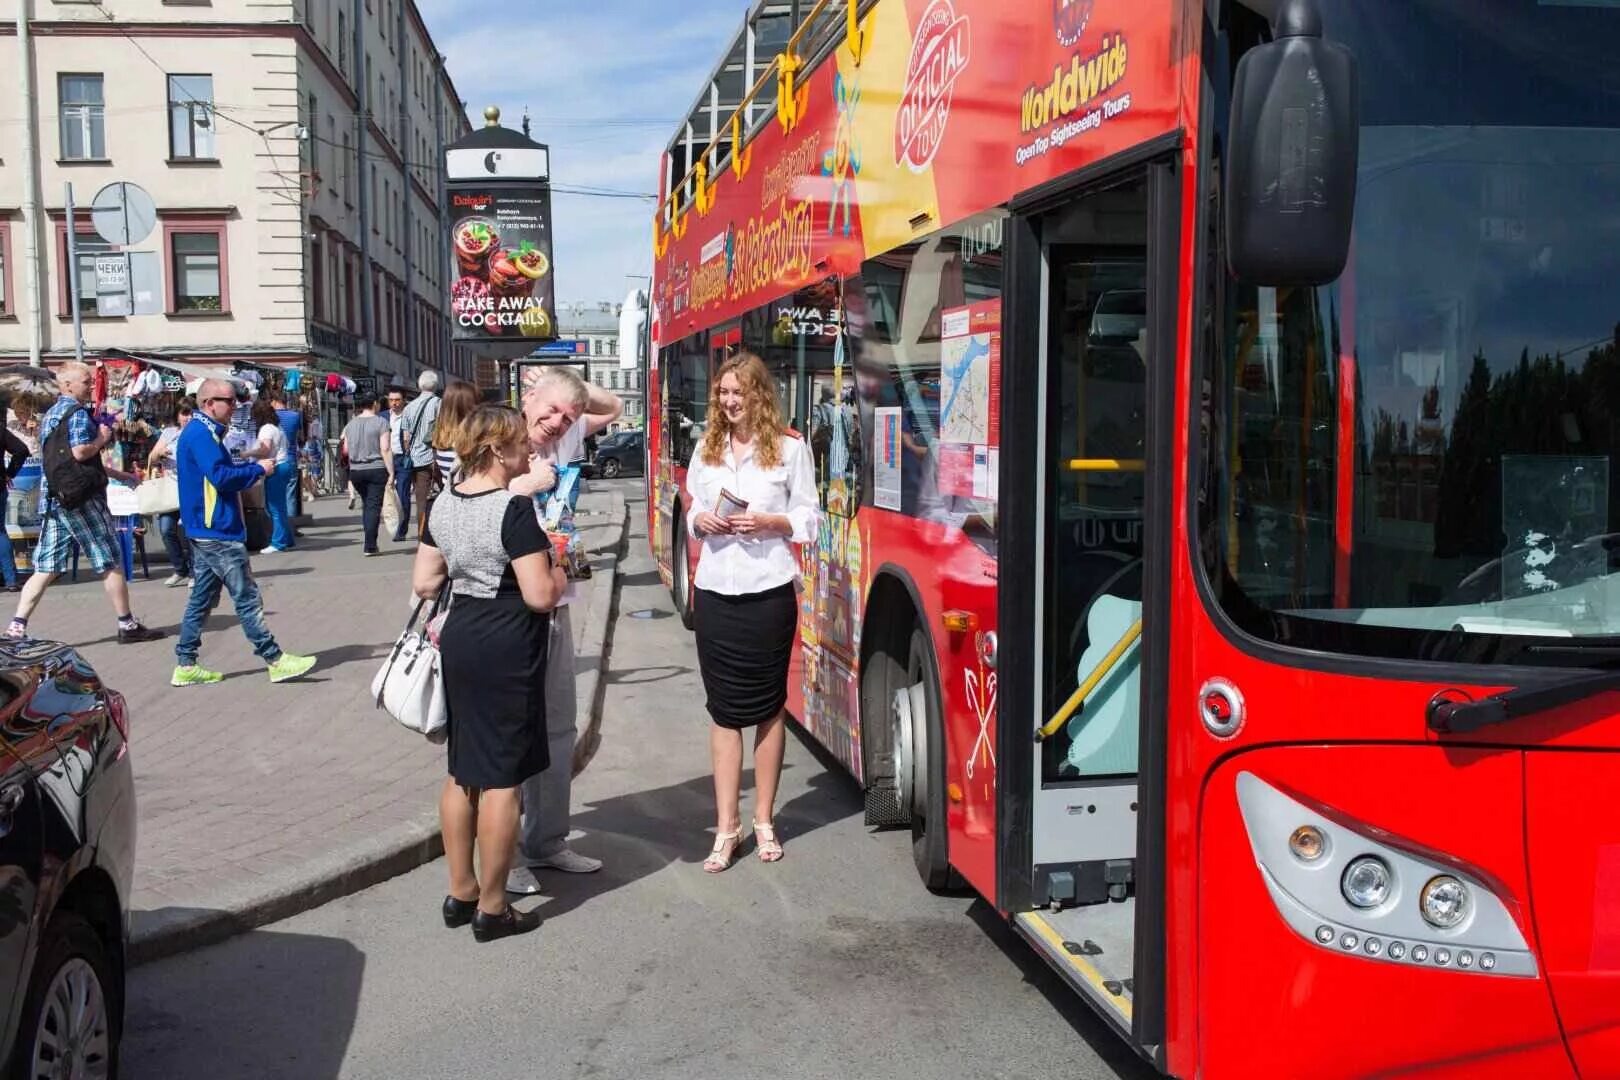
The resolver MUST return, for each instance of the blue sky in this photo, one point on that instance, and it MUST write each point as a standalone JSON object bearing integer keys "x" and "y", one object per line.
{"x": 605, "y": 83}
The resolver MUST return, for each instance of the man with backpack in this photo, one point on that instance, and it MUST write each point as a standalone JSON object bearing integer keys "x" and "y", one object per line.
{"x": 73, "y": 506}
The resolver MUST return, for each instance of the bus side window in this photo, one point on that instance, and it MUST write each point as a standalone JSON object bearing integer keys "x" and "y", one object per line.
{"x": 688, "y": 397}
{"x": 835, "y": 437}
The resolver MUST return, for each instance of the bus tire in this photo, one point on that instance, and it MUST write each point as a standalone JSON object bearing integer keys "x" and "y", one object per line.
{"x": 930, "y": 837}
{"x": 681, "y": 572}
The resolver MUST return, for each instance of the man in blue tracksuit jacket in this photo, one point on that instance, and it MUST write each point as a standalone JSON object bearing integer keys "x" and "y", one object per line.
{"x": 211, "y": 510}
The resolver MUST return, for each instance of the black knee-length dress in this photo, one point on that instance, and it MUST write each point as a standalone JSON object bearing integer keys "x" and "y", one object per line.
{"x": 493, "y": 648}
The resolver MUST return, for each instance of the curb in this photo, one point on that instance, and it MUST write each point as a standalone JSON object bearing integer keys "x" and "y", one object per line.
{"x": 331, "y": 875}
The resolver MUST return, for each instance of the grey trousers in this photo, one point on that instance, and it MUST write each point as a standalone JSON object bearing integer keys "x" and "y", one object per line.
{"x": 544, "y": 831}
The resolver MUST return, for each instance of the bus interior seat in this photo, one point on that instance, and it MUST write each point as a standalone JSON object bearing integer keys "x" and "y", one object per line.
{"x": 1103, "y": 733}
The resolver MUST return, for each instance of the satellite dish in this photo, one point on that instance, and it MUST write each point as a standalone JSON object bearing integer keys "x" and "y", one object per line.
{"x": 123, "y": 213}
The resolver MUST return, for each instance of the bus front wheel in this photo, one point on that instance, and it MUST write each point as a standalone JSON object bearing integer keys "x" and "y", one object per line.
{"x": 918, "y": 745}
{"x": 681, "y": 572}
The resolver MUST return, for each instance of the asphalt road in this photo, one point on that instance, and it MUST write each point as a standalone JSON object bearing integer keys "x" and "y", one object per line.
{"x": 832, "y": 963}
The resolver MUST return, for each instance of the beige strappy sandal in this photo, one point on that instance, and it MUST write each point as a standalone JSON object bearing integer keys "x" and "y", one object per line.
{"x": 770, "y": 848}
{"x": 721, "y": 858}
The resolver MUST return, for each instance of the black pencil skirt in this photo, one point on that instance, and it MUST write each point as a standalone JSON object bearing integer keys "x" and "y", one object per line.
{"x": 744, "y": 646}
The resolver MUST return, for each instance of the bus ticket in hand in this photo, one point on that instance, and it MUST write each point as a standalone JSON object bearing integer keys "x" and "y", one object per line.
{"x": 729, "y": 506}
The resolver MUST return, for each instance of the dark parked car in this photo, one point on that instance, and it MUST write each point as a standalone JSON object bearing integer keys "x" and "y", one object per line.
{"x": 67, "y": 854}
{"x": 620, "y": 454}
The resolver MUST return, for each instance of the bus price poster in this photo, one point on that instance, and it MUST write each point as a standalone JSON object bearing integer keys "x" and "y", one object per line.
{"x": 887, "y": 493}
{"x": 970, "y": 400}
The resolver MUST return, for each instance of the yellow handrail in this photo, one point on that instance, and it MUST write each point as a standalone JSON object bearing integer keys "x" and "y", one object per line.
{"x": 773, "y": 68}
{"x": 1105, "y": 465}
{"x": 1098, "y": 674}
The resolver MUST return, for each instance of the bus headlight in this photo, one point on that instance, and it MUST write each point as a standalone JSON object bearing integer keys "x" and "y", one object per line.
{"x": 1366, "y": 882}
{"x": 1444, "y": 902}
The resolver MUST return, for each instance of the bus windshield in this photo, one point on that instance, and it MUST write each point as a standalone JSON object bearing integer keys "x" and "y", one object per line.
{"x": 1420, "y": 460}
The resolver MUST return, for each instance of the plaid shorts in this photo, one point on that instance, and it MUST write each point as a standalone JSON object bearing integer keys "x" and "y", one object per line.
{"x": 90, "y": 527}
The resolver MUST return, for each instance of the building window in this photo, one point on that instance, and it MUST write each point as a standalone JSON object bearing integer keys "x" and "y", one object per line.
{"x": 343, "y": 44}
{"x": 82, "y": 108}
{"x": 613, "y": 379}
{"x": 374, "y": 201}
{"x": 332, "y": 142}
{"x": 5, "y": 270}
{"x": 197, "y": 279}
{"x": 613, "y": 346}
{"x": 348, "y": 173}
{"x": 191, "y": 120}
{"x": 313, "y": 128}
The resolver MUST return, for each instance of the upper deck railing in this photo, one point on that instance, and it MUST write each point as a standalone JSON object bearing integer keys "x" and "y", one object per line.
{"x": 758, "y": 79}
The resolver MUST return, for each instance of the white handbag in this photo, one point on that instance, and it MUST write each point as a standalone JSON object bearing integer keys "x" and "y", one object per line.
{"x": 410, "y": 684}
{"x": 159, "y": 495}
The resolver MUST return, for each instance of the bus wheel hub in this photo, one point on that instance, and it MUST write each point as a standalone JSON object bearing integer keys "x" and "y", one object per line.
{"x": 911, "y": 747}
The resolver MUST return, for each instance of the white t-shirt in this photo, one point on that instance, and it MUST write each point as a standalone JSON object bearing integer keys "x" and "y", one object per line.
{"x": 272, "y": 434}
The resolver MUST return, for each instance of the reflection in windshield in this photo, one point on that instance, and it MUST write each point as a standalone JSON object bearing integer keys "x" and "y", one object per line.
{"x": 1430, "y": 443}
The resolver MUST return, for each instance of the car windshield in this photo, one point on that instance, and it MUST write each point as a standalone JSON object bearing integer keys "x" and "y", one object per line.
{"x": 1419, "y": 460}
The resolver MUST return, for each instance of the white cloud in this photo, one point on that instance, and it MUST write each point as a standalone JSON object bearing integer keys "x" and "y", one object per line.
{"x": 606, "y": 86}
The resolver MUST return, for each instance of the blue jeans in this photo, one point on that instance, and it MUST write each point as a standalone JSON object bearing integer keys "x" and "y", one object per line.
{"x": 402, "y": 487}
{"x": 174, "y": 542}
{"x": 277, "y": 494}
{"x": 216, "y": 564}
{"x": 8, "y": 557}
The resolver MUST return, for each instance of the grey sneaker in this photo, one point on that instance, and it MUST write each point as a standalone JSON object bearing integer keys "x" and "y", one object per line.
{"x": 570, "y": 861}
{"x": 522, "y": 882}
{"x": 174, "y": 581}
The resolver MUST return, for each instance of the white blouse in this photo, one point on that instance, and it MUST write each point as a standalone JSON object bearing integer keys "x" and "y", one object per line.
{"x": 739, "y": 565}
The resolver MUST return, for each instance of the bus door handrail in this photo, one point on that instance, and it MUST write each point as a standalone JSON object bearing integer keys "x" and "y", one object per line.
{"x": 1098, "y": 674}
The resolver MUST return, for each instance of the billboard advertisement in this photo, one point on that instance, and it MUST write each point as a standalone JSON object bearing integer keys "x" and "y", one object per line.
{"x": 501, "y": 286}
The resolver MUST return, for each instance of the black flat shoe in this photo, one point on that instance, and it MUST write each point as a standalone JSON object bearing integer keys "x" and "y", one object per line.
{"x": 459, "y": 912}
{"x": 507, "y": 924}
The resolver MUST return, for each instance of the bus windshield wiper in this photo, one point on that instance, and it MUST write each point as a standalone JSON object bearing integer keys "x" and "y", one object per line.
{"x": 1452, "y": 717}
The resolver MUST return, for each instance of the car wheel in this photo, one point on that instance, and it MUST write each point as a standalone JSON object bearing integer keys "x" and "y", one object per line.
{"x": 69, "y": 1026}
{"x": 611, "y": 468}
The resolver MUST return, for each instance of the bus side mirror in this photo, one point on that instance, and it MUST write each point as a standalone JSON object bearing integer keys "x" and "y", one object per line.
{"x": 1291, "y": 155}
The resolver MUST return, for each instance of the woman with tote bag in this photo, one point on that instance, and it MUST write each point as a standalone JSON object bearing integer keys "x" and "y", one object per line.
{"x": 487, "y": 543}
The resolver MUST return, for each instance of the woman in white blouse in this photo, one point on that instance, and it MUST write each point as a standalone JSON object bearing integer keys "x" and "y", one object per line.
{"x": 752, "y": 491}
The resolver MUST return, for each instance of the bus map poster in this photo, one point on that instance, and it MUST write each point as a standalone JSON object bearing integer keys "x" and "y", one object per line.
{"x": 970, "y": 400}
{"x": 501, "y": 284}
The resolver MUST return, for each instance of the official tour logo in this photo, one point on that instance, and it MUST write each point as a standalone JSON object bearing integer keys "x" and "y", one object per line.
{"x": 939, "y": 55}
{"x": 1069, "y": 18}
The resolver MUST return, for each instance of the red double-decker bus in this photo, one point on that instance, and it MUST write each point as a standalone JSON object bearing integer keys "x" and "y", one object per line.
{"x": 1214, "y": 406}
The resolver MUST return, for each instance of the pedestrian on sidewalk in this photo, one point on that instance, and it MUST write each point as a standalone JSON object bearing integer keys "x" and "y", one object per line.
{"x": 488, "y": 544}
{"x": 416, "y": 434}
{"x": 747, "y": 589}
{"x": 291, "y": 423}
{"x": 460, "y": 399}
{"x": 71, "y": 445}
{"x": 559, "y": 411}
{"x": 162, "y": 462}
{"x": 371, "y": 465}
{"x": 281, "y": 477}
{"x": 17, "y": 454}
{"x": 211, "y": 487}
{"x": 402, "y": 473}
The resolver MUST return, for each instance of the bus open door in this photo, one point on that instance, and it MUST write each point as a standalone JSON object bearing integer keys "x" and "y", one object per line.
{"x": 1084, "y": 617}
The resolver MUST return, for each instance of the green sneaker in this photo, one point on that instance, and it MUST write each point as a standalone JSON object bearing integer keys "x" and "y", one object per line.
{"x": 194, "y": 675}
{"x": 288, "y": 666}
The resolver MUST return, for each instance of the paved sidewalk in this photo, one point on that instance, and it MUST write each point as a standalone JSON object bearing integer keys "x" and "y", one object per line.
{"x": 257, "y": 801}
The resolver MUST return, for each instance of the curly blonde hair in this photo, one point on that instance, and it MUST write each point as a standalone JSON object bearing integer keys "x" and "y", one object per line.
{"x": 761, "y": 409}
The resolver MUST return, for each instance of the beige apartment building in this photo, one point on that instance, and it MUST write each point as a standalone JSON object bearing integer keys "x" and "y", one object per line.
{"x": 293, "y": 152}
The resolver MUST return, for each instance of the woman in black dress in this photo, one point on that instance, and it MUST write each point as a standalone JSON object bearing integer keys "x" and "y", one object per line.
{"x": 488, "y": 544}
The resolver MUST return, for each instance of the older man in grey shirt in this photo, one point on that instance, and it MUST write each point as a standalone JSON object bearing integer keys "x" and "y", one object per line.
{"x": 560, "y": 412}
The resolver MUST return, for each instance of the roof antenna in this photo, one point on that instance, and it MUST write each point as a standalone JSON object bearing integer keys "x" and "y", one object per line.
{"x": 525, "y": 121}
